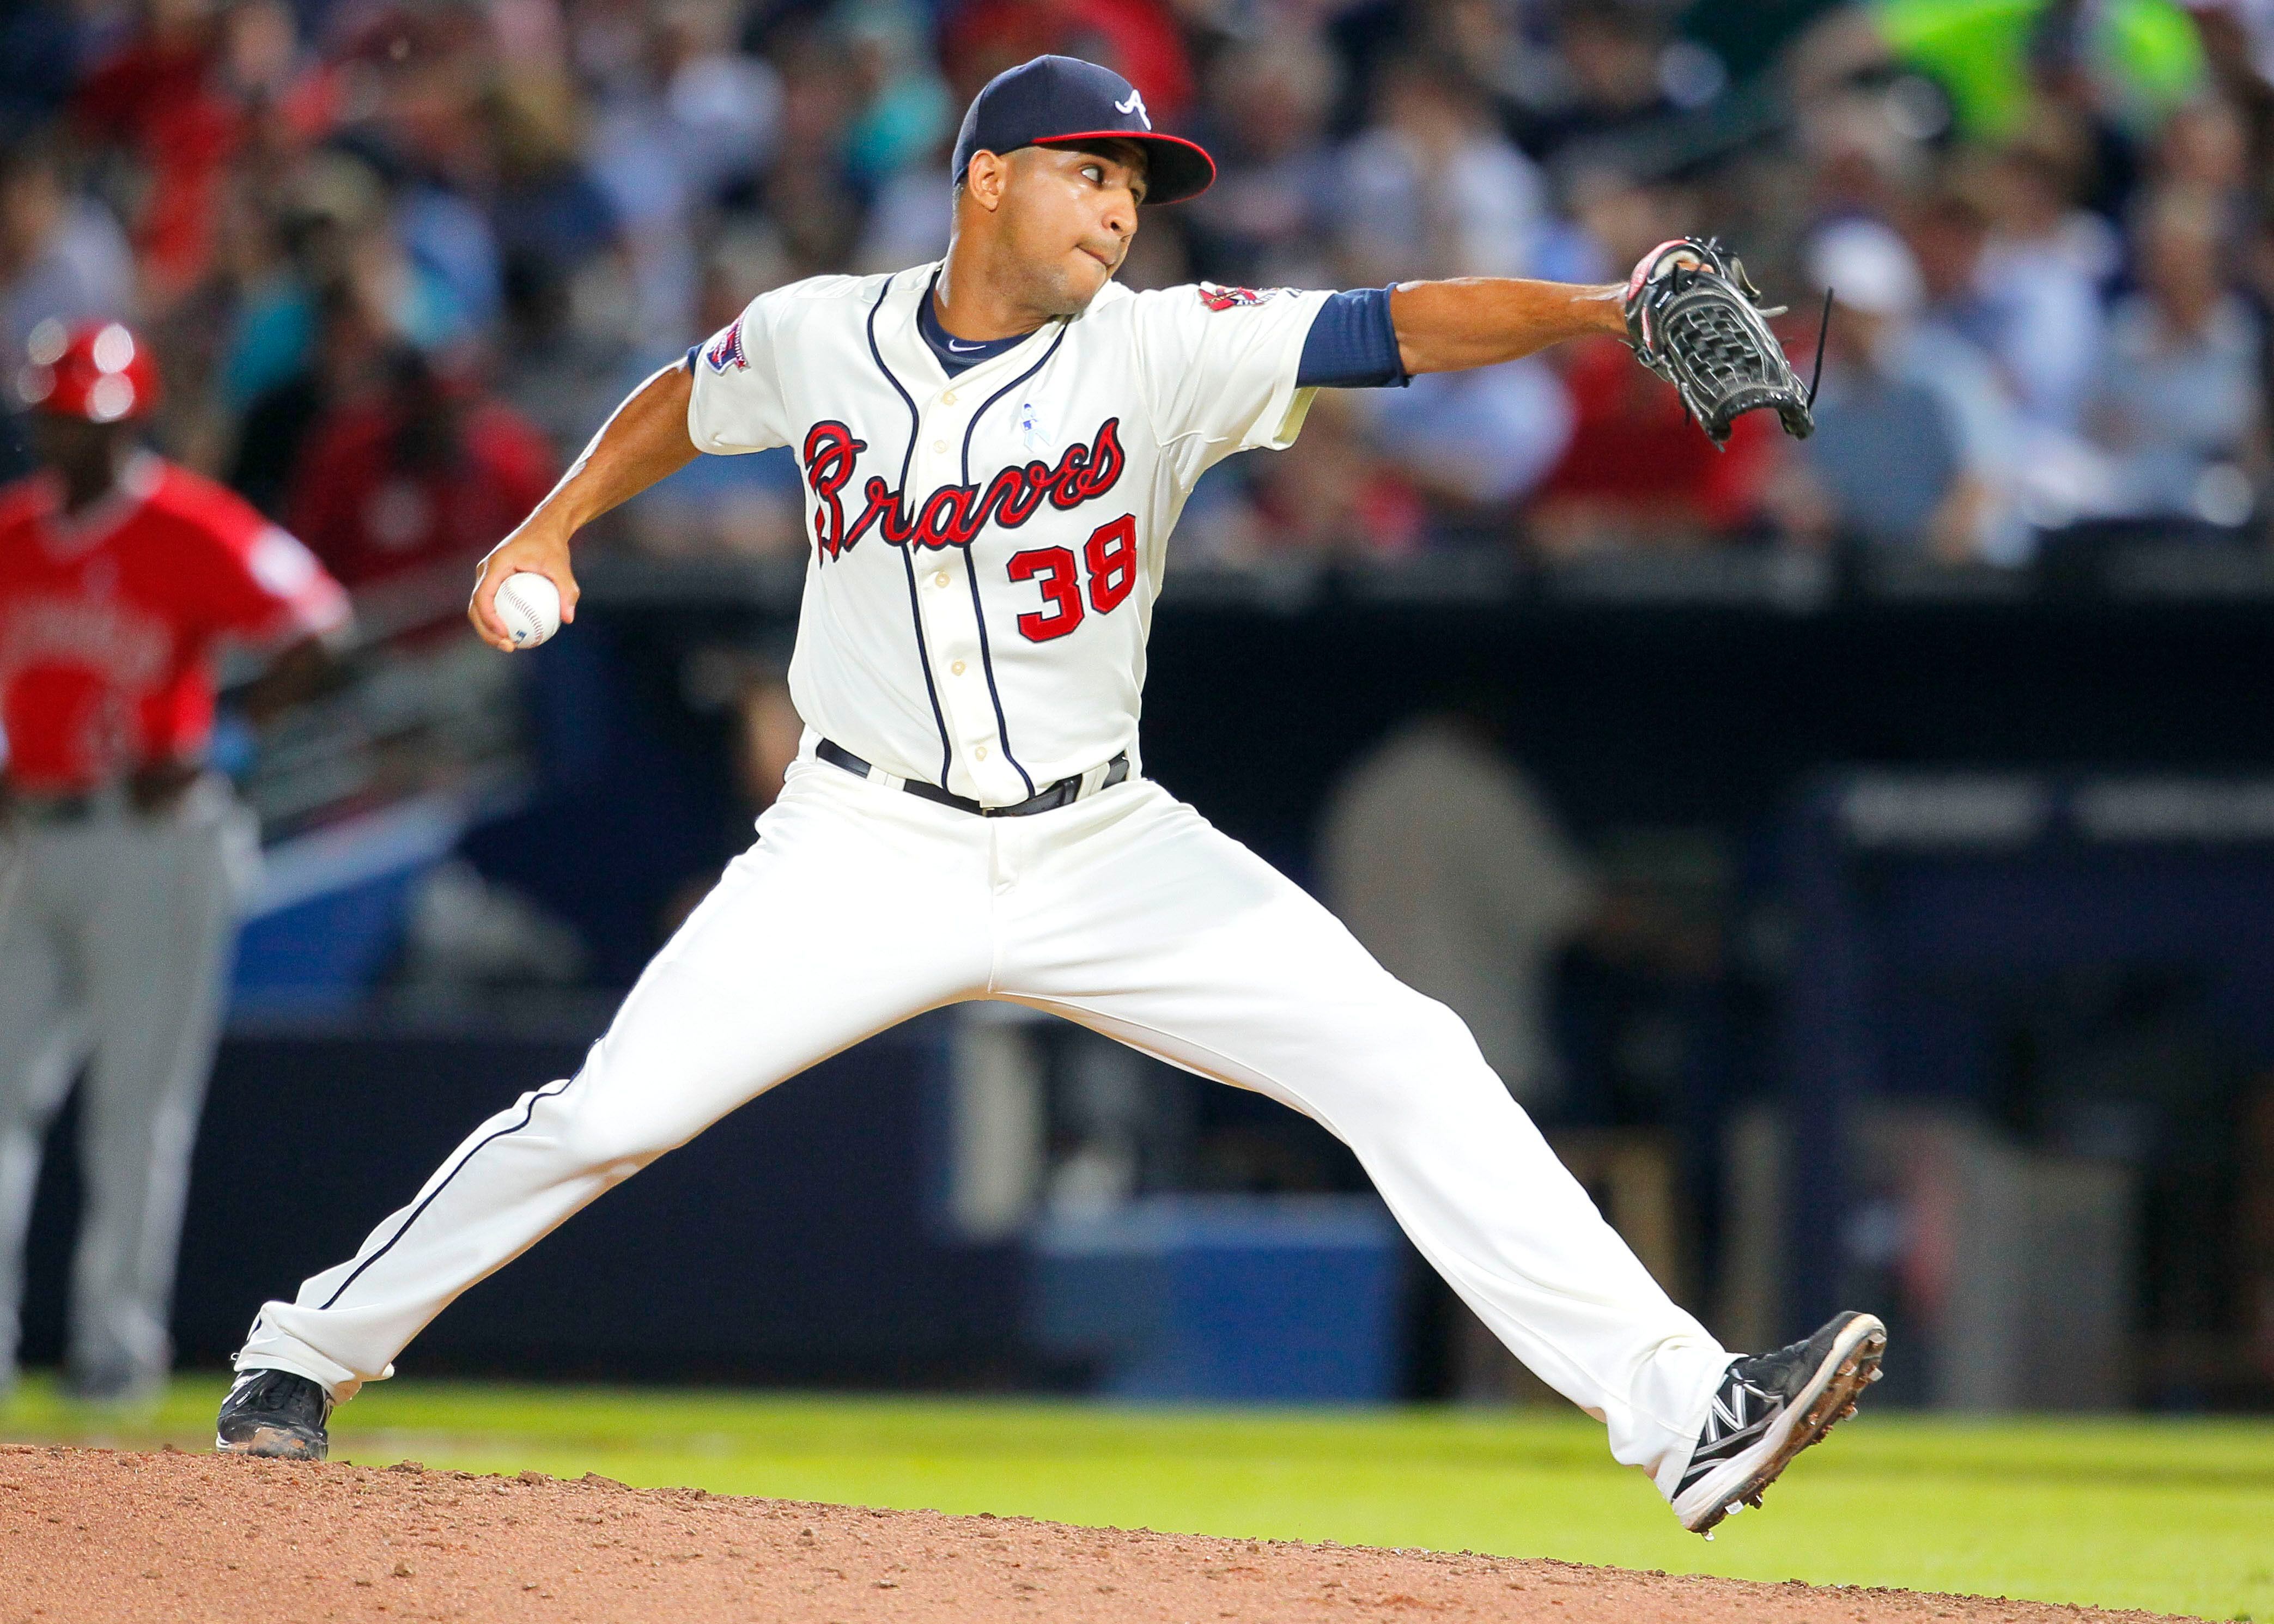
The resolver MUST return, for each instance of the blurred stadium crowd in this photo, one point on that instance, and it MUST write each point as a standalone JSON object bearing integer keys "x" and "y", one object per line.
{"x": 400, "y": 256}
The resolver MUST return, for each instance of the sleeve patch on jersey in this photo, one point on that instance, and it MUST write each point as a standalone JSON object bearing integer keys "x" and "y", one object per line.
{"x": 280, "y": 564}
{"x": 1215, "y": 295}
{"x": 726, "y": 349}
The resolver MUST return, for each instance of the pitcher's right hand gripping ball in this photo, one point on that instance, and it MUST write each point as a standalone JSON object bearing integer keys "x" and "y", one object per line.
{"x": 529, "y": 606}
{"x": 1694, "y": 319}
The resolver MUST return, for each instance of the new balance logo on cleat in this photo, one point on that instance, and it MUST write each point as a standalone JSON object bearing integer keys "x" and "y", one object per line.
{"x": 1741, "y": 1413}
{"x": 1768, "y": 1408}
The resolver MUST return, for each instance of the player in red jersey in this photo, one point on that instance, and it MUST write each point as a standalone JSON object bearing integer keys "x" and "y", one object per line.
{"x": 120, "y": 854}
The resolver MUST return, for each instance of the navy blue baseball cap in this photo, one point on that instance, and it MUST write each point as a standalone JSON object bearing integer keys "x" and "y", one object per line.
{"x": 1065, "y": 102}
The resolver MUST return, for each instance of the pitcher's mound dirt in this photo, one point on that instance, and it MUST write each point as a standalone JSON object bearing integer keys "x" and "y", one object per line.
{"x": 89, "y": 1534}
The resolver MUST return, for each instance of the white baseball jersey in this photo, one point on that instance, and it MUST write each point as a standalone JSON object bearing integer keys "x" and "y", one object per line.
{"x": 987, "y": 548}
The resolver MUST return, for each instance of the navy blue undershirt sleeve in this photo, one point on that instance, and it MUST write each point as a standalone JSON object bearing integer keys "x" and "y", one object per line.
{"x": 1353, "y": 344}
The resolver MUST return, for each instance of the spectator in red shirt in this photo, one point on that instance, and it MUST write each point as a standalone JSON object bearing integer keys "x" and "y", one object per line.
{"x": 410, "y": 486}
{"x": 1138, "y": 39}
{"x": 1637, "y": 472}
{"x": 155, "y": 97}
{"x": 195, "y": 88}
{"x": 119, "y": 854}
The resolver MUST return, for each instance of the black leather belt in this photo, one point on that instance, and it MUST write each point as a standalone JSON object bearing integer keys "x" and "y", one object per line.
{"x": 56, "y": 811}
{"x": 1064, "y": 792}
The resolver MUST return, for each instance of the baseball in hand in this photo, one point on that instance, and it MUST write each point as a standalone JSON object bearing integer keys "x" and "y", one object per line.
{"x": 529, "y": 606}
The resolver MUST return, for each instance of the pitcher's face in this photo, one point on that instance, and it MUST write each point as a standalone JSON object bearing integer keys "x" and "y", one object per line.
{"x": 1068, "y": 216}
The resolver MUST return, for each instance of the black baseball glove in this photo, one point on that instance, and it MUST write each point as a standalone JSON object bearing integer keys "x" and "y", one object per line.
{"x": 1695, "y": 321}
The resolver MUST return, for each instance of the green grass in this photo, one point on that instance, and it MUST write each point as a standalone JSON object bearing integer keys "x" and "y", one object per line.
{"x": 2174, "y": 1515}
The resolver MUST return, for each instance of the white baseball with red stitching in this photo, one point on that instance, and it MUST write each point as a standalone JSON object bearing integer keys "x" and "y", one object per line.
{"x": 529, "y": 606}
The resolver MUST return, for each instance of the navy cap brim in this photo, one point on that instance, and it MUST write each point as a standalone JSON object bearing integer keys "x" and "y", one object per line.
{"x": 1175, "y": 168}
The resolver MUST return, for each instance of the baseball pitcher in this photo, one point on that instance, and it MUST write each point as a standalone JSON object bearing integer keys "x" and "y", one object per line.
{"x": 996, "y": 447}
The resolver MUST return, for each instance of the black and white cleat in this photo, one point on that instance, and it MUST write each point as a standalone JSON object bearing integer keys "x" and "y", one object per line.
{"x": 276, "y": 1415}
{"x": 1769, "y": 1408}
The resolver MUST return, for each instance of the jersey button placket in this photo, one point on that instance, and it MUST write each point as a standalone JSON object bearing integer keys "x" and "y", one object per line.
{"x": 951, "y": 625}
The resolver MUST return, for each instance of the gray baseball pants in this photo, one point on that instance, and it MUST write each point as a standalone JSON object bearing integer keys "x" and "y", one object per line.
{"x": 115, "y": 932}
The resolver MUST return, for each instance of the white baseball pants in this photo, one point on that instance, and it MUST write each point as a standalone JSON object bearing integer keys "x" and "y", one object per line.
{"x": 114, "y": 945}
{"x": 862, "y": 906}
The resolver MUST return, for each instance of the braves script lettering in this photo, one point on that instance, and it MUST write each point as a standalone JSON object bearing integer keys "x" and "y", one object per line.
{"x": 952, "y": 515}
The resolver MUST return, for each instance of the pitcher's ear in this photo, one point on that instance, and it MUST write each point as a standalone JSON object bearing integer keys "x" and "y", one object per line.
{"x": 986, "y": 178}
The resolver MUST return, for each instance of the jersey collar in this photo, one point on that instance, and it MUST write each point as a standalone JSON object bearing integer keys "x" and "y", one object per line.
{"x": 68, "y": 536}
{"x": 911, "y": 360}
